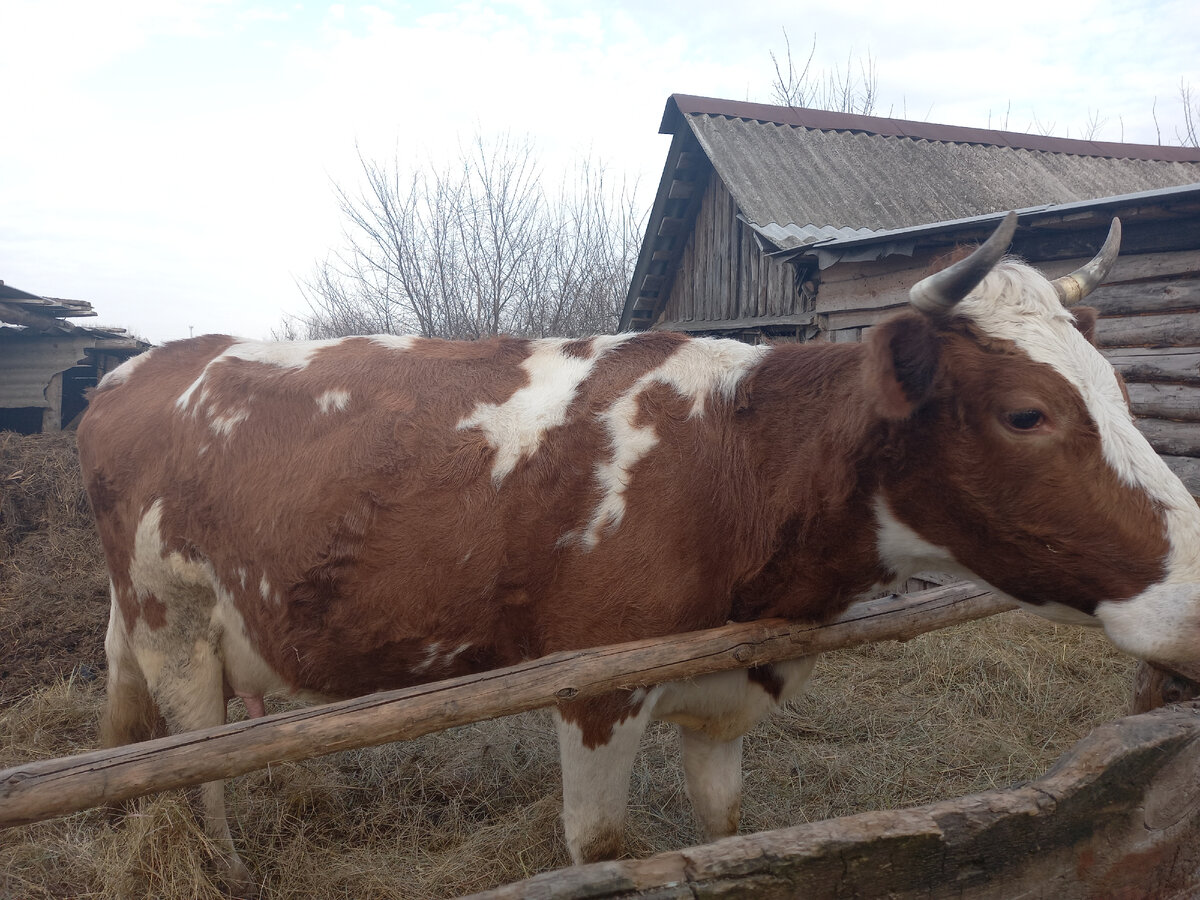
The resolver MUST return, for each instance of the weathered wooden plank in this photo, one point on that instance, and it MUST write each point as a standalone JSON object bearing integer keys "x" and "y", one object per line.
{"x": 1171, "y": 438}
{"x": 1146, "y": 296}
{"x": 874, "y": 284}
{"x": 1165, "y": 401}
{"x": 1149, "y": 364}
{"x": 1170, "y": 330}
{"x": 1118, "y": 816}
{"x": 42, "y": 790}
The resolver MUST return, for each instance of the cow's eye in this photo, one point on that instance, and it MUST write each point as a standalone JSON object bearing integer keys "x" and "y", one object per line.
{"x": 1025, "y": 419}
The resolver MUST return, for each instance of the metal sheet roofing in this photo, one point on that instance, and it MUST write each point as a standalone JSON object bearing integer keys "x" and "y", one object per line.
{"x": 804, "y": 183}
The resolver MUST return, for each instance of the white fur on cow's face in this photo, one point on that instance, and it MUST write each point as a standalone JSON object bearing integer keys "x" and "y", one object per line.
{"x": 1163, "y": 623}
{"x": 698, "y": 370}
{"x": 515, "y": 428}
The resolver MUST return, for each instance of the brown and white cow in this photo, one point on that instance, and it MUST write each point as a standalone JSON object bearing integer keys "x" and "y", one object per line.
{"x": 337, "y": 517}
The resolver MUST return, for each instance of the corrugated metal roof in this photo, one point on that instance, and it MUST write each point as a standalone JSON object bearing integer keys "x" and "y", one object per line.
{"x": 817, "y": 180}
{"x": 826, "y": 120}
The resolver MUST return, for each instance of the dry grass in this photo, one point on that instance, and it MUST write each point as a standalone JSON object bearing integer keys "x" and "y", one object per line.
{"x": 967, "y": 709}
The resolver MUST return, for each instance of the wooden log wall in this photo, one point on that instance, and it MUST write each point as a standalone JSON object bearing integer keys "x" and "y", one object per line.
{"x": 1149, "y": 329}
{"x": 723, "y": 275}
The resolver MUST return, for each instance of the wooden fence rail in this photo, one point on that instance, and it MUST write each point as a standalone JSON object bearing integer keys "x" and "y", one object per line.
{"x": 45, "y": 789}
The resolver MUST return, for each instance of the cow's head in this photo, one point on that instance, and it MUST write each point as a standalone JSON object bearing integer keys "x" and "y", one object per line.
{"x": 1016, "y": 459}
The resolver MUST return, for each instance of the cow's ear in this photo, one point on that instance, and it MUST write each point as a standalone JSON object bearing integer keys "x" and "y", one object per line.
{"x": 1085, "y": 321}
{"x": 902, "y": 361}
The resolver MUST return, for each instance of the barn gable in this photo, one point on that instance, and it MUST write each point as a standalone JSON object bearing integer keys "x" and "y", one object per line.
{"x": 743, "y": 181}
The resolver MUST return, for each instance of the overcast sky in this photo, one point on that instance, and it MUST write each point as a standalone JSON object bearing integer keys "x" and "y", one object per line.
{"x": 171, "y": 161}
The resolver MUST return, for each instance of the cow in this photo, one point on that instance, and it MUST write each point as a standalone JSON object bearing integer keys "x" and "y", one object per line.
{"x": 331, "y": 518}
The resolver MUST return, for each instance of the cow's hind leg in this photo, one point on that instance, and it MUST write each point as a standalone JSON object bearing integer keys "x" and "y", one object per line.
{"x": 130, "y": 714}
{"x": 598, "y": 741}
{"x": 712, "y": 769}
{"x": 191, "y": 694}
{"x": 176, "y": 671}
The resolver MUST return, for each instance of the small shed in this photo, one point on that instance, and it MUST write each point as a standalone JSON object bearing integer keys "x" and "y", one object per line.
{"x": 47, "y": 363}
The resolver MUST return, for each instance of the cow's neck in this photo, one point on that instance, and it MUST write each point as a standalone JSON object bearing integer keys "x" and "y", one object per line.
{"x": 814, "y": 435}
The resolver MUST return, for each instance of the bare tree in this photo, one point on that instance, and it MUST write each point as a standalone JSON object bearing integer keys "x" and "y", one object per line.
{"x": 477, "y": 248}
{"x": 1189, "y": 136}
{"x": 841, "y": 91}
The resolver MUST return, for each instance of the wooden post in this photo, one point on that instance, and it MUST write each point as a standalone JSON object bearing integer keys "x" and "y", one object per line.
{"x": 42, "y": 790}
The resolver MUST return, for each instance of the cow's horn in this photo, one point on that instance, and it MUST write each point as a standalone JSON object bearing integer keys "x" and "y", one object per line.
{"x": 938, "y": 293}
{"x": 1074, "y": 287}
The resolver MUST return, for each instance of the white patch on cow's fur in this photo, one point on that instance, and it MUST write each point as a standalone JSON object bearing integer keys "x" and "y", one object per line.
{"x": 223, "y": 425}
{"x": 283, "y": 354}
{"x": 264, "y": 587}
{"x": 247, "y": 673}
{"x": 394, "y": 341}
{"x": 697, "y": 371}
{"x": 121, "y": 373}
{"x": 1166, "y": 617}
{"x": 331, "y": 400}
{"x": 516, "y": 427}
{"x": 723, "y": 705}
{"x": 241, "y": 574}
{"x": 432, "y": 651}
{"x": 904, "y": 552}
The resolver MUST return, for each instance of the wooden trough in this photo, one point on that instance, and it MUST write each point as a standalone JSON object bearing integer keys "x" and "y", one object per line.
{"x": 1117, "y": 818}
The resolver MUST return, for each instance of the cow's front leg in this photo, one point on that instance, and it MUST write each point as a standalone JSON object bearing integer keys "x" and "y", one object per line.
{"x": 712, "y": 769}
{"x": 598, "y": 740}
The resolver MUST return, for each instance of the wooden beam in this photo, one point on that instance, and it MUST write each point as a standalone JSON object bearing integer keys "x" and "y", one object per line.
{"x": 1170, "y": 330}
{"x": 680, "y": 190}
{"x": 1165, "y": 401}
{"x": 742, "y": 324}
{"x": 669, "y": 227}
{"x": 1188, "y": 470}
{"x": 42, "y": 790}
{"x": 1171, "y": 438}
{"x": 1149, "y": 364}
{"x": 1117, "y": 816}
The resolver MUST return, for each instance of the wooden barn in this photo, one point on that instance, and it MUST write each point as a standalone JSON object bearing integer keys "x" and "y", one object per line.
{"x": 745, "y": 181}
{"x": 774, "y": 222}
{"x": 47, "y": 363}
